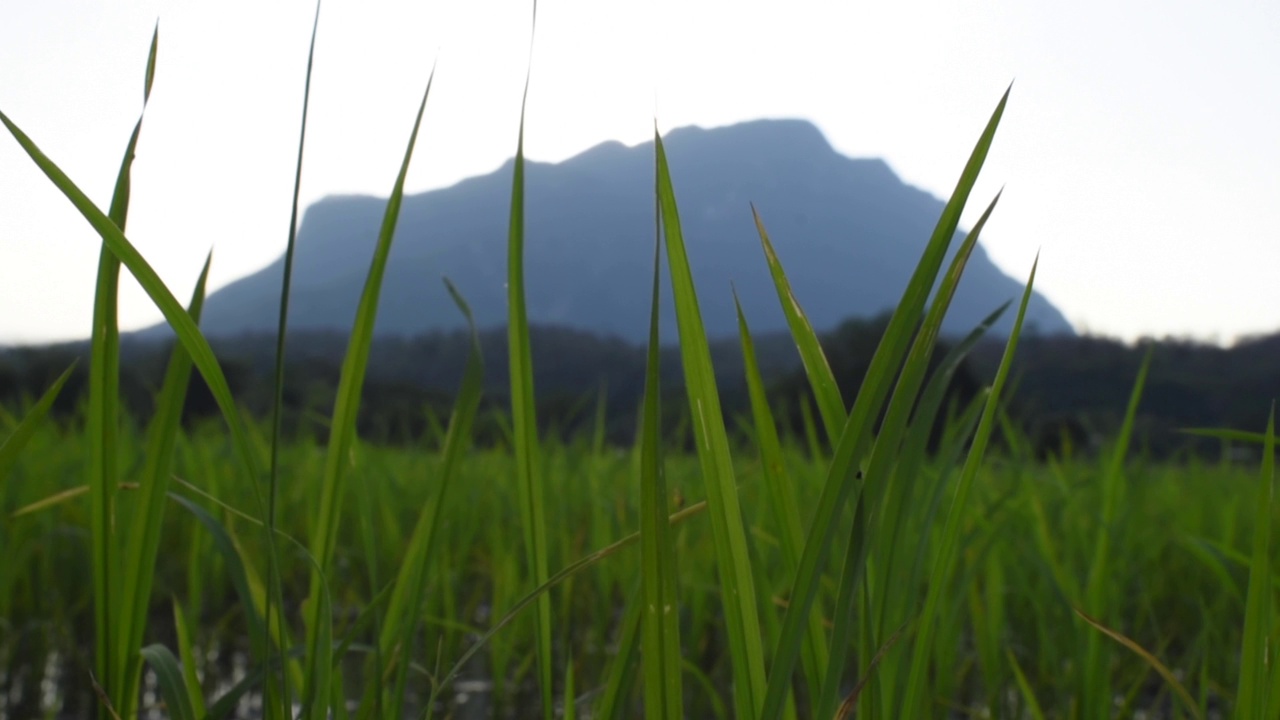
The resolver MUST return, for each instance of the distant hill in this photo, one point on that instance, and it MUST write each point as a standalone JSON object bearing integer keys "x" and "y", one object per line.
{"x": 848, "y": 232}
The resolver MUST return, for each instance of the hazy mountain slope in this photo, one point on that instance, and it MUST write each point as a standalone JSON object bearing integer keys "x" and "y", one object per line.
{"x": 848, "y": 231}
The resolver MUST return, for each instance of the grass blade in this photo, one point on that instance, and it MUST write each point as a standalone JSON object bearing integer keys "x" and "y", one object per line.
{"x": 532, "y": 596}
{"x": 1024, "y": 687}
{"x": 342, "y": 434}
{"x": 18, "y": 439}
{"x": 1193, "y": 708}
{"x": 1095, "y": 695}
{"x": 376, "y": 661}
{"x": 823, "y": 382}
{"x": 523, "y": 414}
{"x": 173, "y": 686}
{"x": 885, "y": 455}
{"x": 855, "y": 436}
{"x": 143, "y": 543}
{"x": 183, "y": 326}
{"x": 914, "y": 697}
{"x": 898, "y": 577}
{"x": 620, "y": 677}
{"x": 570, "y": 703}
{"x": 102, "y": 429}
{"x": 933, "y": 395}
{"x": 53, "y": 500}
{"x": 846, "y": 708}
{"x": 782, "y": 497}
{"x": 277, "y": 701}
{"x": 410, "y": 583}
{"x": 226, "y": 548}
{"x": 188, "y": 657}
{"x": 1254, "y": 688}
{"x": 660, "y": 623}
{"x": 733, "y": 562}
{"x": 1226, "y": 434}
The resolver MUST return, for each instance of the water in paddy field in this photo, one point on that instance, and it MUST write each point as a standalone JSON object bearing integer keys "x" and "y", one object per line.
{"x": 51, "y": 690}
{"x": 42, "y": 676}
{"x": 52, "y": 693}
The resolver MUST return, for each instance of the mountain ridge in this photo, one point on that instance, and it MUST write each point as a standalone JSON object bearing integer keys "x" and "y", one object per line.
{"x": 848, "y": 231}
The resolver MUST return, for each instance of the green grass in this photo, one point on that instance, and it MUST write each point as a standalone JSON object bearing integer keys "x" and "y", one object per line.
{"x": 663, "y": 690}
{"x": 737, "y": 584}
{"x": 847, "y": 572}
{"x": 1165, "y": 589}
{"x": 532, "y": 493}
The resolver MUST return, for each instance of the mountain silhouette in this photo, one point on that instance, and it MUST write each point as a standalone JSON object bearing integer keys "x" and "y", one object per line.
{"x": 848, "y": 232}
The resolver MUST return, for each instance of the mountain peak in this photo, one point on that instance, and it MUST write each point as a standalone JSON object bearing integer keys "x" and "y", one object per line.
{"x": 791, "y": 134}
{"x": 762, "y": 141}
{"x": 849, "y": 233}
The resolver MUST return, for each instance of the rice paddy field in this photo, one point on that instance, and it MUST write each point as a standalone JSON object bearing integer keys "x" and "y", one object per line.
{"x": 862, "y": 570}
{"x": 1009, "y": 642}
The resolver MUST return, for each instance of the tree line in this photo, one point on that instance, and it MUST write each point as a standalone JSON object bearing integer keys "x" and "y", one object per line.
{"x": 1067, "y": 393}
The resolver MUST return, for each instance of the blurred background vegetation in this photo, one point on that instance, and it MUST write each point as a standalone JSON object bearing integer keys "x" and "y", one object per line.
{"x": 1065, "y": 389}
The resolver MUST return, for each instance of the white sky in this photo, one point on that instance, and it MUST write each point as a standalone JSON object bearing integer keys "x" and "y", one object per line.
{"x": 1140, "y": 151}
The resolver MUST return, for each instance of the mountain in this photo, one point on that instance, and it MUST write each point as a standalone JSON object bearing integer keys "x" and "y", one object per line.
{"x": 848, "y": 232}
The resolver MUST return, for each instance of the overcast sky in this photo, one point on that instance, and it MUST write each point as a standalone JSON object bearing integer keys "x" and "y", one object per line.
{"x": 1140, "y": 151}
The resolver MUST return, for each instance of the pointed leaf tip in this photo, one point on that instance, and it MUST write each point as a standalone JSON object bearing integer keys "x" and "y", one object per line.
{"x": 151, "y": 63}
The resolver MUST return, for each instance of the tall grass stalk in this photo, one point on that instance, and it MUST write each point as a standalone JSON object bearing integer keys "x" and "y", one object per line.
{"x": 855, "y": 436}
{"x": 1256, "y": 688}
{"x": 187, "y": 656}
{"x": 899, "y": 574}
{"x": 172, "y": 685}
{"x": 917, "y": 694}
{"x": 818, "y": 371}
{"x": 523, "y": 414}
{"x": 409, "y": 588}
{"x": 21, "y": 435}
{"x": 531, "y": 598}
{"x": 110, "y": 649}
{"x": 781, "y": 495}
{"x": 277, "y": 699}
{"x": 620, "y": 677}
{"x": 1164, "y": 672}
{"x": 342, "y": 439}
{"x": 660, "y": 620}
{"x": 883, "y": 460}
{"x": 143, "y": 542}
{"x": 1095, "y": 691}
{"x": 188, "y": 333}
{"x": 737, "y": 586}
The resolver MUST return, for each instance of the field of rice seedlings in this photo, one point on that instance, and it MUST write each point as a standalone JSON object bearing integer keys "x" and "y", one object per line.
{"x": 1009, "y": 638}
{"x": 151, "y": 570}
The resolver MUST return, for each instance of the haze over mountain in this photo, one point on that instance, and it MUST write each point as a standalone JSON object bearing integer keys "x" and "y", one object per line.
{"x": 848, "y": 232}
